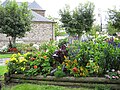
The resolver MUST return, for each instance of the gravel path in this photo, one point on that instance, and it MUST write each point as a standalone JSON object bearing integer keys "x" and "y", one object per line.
{"x": 2, "y": 61}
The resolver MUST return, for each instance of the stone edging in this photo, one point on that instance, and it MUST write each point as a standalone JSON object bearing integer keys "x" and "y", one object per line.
{"x": 90, "y": 82}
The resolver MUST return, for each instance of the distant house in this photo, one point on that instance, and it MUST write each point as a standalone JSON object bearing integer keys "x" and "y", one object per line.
{"x": 42, "y": 28}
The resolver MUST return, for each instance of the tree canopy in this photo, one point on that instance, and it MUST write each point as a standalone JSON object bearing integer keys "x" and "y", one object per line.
{"x": 79, "y": 20}
{"x": 114, "y": 21}
{"x": 15, "y": 20}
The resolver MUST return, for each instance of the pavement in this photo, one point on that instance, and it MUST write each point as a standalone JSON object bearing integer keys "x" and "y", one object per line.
{"x": 2, "y": 61}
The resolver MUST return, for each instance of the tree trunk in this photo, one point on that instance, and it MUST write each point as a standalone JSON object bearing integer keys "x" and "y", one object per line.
{"x": 79, "y": 37}
{"x": 13, "y": 41}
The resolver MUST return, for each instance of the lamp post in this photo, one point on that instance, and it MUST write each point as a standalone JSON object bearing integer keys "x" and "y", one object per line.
{"x": 100, "y": 15}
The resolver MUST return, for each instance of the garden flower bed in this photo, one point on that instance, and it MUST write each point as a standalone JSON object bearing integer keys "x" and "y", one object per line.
{"x": 62, "y": 63}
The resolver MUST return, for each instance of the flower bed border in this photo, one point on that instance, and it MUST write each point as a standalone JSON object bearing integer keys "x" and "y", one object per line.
{"x": 89, "y": 82}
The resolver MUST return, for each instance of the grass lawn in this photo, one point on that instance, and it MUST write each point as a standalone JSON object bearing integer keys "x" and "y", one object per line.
{"x": 40, "y": 87}
{"x": 3, "y": 69}
{"x": 5, "y": 55}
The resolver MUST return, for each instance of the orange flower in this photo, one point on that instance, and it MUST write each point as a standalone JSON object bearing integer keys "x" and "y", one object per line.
{"x": 33, "y": 58}
{"x": 45, "y": 57}
{"x": 35, "y": 66}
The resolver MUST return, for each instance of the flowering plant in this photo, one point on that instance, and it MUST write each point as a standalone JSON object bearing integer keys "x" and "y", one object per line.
{"x": 113, "y": 74}
{"x": 16, "y": 64}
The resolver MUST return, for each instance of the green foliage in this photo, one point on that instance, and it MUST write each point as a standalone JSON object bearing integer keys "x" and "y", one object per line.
{"x": 66, "y": 18}
{"x": 111, "y": 28}
{"x": 104, "y": 55}
{"x": 92, "y": 67}
{"x": 80, "y": 20}
{"x": 114, "y": 20}
{"x": 24, "y": 48}
{"x": 15, "y": 20}
{"x": 94, "y": 29}
{"x": 62, "y": 42}
{"x": 59, "y": 72}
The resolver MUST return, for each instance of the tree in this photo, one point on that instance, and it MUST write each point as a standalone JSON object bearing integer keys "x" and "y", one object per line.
{"x": 59, "y": 31}
{"x": 114, "y": 21}
{"x": 66, "y": 18}
{"x": 79, "y": 20}
{"x": 94, "y": 29}
{"x": 111, "y": 28}
{"x": 15, "y": 20}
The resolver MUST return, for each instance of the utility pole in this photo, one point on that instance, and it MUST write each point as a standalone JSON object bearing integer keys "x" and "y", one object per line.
{"x": 100, "y": 15}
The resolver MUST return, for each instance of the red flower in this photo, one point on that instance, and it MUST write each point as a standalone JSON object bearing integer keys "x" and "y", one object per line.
{"x": 35, "y": 67}
{"x": 12, "y": 50}
{"x": 75, "y": 69}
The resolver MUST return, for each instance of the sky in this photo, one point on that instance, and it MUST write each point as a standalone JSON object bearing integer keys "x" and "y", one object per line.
{"x": 52, "y": 7}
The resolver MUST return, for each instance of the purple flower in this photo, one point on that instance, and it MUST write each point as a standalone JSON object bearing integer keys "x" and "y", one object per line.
{"x": 107, "y": 76}
{"x": 119, "y": 45}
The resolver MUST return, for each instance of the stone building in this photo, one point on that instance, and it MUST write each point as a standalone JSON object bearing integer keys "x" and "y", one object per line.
{"x": 41, "y": 27}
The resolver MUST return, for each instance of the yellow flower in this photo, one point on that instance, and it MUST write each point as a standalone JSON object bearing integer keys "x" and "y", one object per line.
{"x": 75, "y": 61}
{"x": 6, "y": 62}
{"x": 81, "y": 68}
{"x": 14, "y": 55}
{"x": 88, "y": 64}
{"x": 13, "y": 59}
{"x": 66, "y": 64}
{"x": 19, "y": 54}
{"x": 63, "y": 63}
{"x": 65, "y": 57}
{"x": 81, "y": 74}
{"x": 68, "y": 61}
{"x": 21, "y": 59}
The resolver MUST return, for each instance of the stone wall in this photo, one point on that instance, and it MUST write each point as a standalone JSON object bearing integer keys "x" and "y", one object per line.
{"x": 3, "y": 40}
{"x": 41, "y": 32}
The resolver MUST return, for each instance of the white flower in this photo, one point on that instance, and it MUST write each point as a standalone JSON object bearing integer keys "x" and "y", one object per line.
{"x": 107, "y": 71}
{"x": 113, "y": 70}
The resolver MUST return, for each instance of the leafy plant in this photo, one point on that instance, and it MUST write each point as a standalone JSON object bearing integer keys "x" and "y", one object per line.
{"x": 92, "y": 67}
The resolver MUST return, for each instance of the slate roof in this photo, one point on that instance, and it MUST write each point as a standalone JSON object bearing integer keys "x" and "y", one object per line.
{"x": 34, "y": 6}
{"x": 39, "y": 18}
